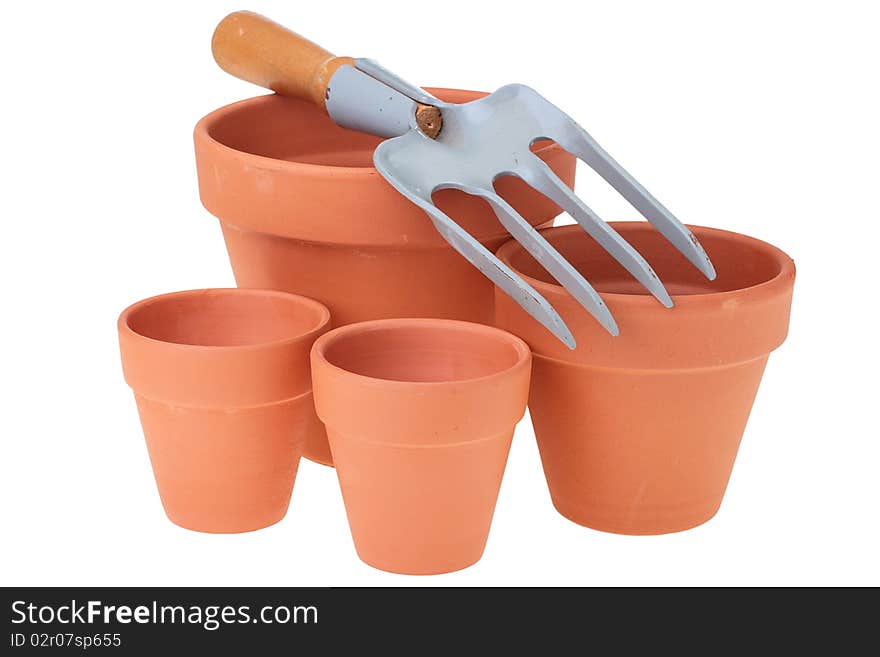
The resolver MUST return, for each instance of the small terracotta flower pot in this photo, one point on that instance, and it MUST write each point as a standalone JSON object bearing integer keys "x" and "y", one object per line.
{"x": 223, "y": 388}
{"x": 420, "y": 414}
{"x": 638, "y": 433}
{"x": 303, "y": 210}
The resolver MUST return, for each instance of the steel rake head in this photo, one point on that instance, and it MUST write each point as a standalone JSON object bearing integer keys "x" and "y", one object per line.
{"x": 492, "y": 137}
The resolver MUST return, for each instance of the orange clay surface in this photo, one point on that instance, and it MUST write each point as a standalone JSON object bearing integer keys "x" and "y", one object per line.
{"x": 303, "y": 210}
{"x": 638, "y": 433}
{"x": 420, "y": 415}
{"x": 222, "y": 383}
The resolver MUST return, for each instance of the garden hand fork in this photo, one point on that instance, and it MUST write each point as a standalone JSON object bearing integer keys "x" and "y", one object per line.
{"x": 435, "y": 145}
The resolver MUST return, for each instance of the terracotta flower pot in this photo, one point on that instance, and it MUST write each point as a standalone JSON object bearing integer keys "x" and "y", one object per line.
{"x": 223, "y": 388}
{"x": 420, "y": 414}
{"x": 638, "y": 433}
{"x": 303, "y": 210}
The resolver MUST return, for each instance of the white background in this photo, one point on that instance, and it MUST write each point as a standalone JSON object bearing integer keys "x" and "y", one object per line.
{"x": 759, "y": 117}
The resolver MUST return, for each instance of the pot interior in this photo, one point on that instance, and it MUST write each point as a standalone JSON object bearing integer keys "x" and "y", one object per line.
{"x": 225, "y": 318}
{"x": 740, "y": 262}
{"x": 422, "y": 354}
{"x": 296, "y": 131}
{"x": 293, "y": 130}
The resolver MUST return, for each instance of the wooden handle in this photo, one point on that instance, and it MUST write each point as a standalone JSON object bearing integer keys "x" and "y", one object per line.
{"x": 254, "y": 48}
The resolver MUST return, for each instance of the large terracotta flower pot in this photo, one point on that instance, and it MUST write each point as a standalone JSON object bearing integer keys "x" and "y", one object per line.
{"x": 420, "y": 414}
{"x": 223, "y": 388}
{"x": 638, "y": 433}
{"x": 303, "y": 210}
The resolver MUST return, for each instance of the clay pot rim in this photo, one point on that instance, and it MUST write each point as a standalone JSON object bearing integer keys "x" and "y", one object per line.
{"x": 523, "y": 352}
{"x": 775, "y": 284}
{"x": 324, "y": 319}
{"x": 203, "y": 128}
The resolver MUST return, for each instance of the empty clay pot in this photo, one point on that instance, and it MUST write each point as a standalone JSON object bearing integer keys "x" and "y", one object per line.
{"x": 638, "y": 433}
{"x": 303, "y": 210}
{"x": 223, "y": 388}
{"x": 420, "y": 414}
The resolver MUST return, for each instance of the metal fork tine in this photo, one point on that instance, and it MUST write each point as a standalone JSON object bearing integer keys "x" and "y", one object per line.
{"x": 548, "y": 257}
{"x": 578, "y": 142}
{"x": 499, "y": 273}
{"x": 462, "y": 241}
{"x": 540, "y": 176}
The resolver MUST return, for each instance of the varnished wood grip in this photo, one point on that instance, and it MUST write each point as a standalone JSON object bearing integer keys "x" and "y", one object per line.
{"x": 254, "y": 48}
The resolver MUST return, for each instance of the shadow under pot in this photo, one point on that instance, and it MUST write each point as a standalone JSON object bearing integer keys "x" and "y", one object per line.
{"x": 303, "y": 210}
{"x": 638, "y": 433}
{"x": 223, "y": 388}
{"x": 420, "y": 414}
